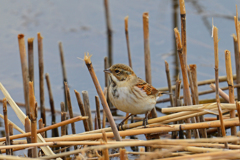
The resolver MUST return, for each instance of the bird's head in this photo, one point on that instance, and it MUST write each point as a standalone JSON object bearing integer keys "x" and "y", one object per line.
{"x": 120, "y": 72}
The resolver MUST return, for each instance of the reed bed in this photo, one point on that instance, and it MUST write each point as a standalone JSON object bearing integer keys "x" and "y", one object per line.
{"x": 192, "y": 129}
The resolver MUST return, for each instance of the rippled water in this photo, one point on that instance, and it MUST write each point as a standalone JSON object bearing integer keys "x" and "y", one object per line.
{"x": 80, "y": 26}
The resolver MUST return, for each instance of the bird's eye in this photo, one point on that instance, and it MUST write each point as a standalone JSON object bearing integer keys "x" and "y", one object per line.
{"x": 117, "y": 71}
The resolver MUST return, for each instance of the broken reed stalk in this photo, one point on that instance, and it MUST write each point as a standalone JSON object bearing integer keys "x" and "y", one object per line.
{"x": 69, "y": 104}
{"x": 8, "y": 151}
{"x": 193, "y": 70}
{"x": 87, "y": 109}
{"x": 33, "y": 118}
{"x": 23, "y": 57}
{"x": 169, "y": 83}
{"x": 64, "y": 127}
{"x": 40, "y": 126}
{"x": 237, "y": 63}
{"x": 215, "y": 41}
{"x": 238, "y": 109}
{"x": 101, "y": 96}
{"x": 10, "y": 126}
{"x": 105, "y": 151}
{"x": 41, "y": 76}
{"x": 237, "y": 47}
{"x": 109, "y": 32}
{"x": 51, "y": 101}
{"x": 183, "y": 29}
{"x": 30, "y": 60}
{"x": 98, "y": 112}
{"x": 28, "y": 129}
{"x": 186, "y": 92}
{"x": 127, "y": 41}
{"x": 147, "y": 54}
{"x": 230, "y": 85}
{"x": 82, "y": 110}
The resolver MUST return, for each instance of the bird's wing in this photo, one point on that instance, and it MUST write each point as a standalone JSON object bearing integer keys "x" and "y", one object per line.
{"x": 150, "y": 90}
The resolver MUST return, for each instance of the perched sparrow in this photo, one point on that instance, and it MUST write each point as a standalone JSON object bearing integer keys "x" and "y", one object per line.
{"x": 129, "y": 93}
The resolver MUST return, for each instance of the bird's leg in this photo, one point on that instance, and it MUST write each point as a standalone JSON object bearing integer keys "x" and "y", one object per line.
{"x": 145, "y": 120}
{"x": 121, "y": 124}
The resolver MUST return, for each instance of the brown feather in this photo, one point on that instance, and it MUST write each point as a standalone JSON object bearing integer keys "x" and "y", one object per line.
{"x": 149, "y": 89}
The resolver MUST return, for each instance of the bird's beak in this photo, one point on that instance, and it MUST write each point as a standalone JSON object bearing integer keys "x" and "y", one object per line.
{"x": 107, "y": 70}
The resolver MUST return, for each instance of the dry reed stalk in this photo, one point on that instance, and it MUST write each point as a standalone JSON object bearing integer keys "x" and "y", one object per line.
{"x": 31, "y": 60}
{"x": 69, "y": 104}
{"x": 41, "y": 76}
{"x": 237, "y": 65}
{"x": 8, "y": 151}
{"x": 193, "y": 70}
{"x": 10, "y": 157}
{"x": 109, "y": 32}
{"x": 98, "y": 112}
{"x": 186, "y": 92}
{"x": 183, "y": 29}
{"x": 221, "y": 92}
{"x": 101, "y": 96}
{"x": 169, "y": 83}
{"x": 238, "y": 109}
{"x": 33, "y": 118}
{"x": 10, "y": 126}
{"x": 123, "y": 154}
{"x": 82, "y": 109}
{"x": 64, "y": 73}
{"x": 200, "y": 83}
{"x": 215, "y": 41}
{"x": 51, "y": 101}
{"x": 40, "y": 126}
{"x": 105, "y": 151}
{"x": 64, "y": 127}
{"x": 230, "y": 85}
{"x": 28, "y": 129}
{"x": 104, "y": 119}
{"x": 22, "y": 51}
{"x": 87, "y": 109}
{"x": 127, "y": 41}
{"x": 237, "y": 50}
{"x": 14, "y": 125}
{"x": 22, "y": 117}
{"x": 147, "y": 58}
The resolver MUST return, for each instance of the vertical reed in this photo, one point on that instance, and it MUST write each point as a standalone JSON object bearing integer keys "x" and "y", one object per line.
{"x": 82, "y": 110}
{"x": 51, "y": 101}
{"x": 109, "y": 32}
{"x": 22, "y": 51}
{"x": 87, "y": 109}
{"x": 33, "y": 118}
{"x": 10, "y": 126}
{"x": 69, "y": 106}
{"x": 127, "y": 41}
{"x": 40, "y": 126}
{"x": 31, "y": 60}
{"x": 169, "y": 83}
{"x": 215, "y": 41}
{"x": 101, "y": 96}
{"x": 28, "y": 129}
{"x": 238, "y": 110}
{"x": 41, "y": 76}
{"x": 186, "y": 91}
{"x": 98, "y": 112}
{"x": 230, "y": 86}
{"x": 8, "y": 151}
{"x": 235, "y": 42}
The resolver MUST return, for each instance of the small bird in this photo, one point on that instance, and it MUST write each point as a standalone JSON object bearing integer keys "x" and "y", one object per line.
{"x": 129, "y": 93}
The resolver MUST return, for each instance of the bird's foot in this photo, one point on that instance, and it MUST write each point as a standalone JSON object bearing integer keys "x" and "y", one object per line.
{"x": 120, "y": 126}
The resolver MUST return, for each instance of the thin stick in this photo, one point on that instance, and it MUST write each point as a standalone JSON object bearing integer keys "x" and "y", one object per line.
{"x": 22, "y": 51}
{"x": 28, "y": 129}
{"x": 98, "y": 112}
{"x": 230, "y": 85}
{"x": 169, "y": 83}
{"x": 8, "y": 151}
{"x": 41, "y": 76}
{"x": 51, "y": 101}
{"x": 82, "y": 109}
{"x": 109, "y": 32}
{"x": 33, "y": 118}
{"x": 31, "y": 60}
{"x": 187, "y": 97}
{"x": 64, "y": 73}
{"x": 101, "y": 96}
{"x": 127, "y": 41}
{"x": 87, "y": 109}
{"x": 69, "y": 104}
{"x": 215, "y": 41}
{"x": 221, "y": 92}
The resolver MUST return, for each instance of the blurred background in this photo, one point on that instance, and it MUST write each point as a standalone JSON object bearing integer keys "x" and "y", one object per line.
{"x": 81, "y": 27}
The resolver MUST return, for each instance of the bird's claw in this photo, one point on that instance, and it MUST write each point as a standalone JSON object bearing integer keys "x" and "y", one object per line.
{"x": 120, "y": 125}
